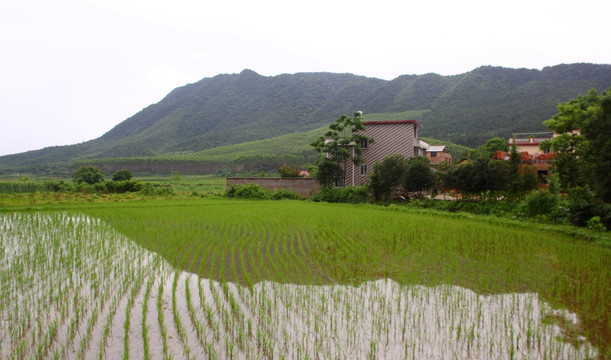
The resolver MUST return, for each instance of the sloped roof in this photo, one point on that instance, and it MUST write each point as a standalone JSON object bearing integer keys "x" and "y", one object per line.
{"x": 391, "y": 122}
{"x": 436, "y": 148}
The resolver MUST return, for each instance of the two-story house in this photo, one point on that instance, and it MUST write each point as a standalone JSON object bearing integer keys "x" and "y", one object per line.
{"x": 390, "y": 137}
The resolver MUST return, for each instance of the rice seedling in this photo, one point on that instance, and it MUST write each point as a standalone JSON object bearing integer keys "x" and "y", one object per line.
{"x": 294, "y": 280}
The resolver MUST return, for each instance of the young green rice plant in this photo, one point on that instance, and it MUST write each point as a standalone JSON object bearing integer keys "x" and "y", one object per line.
{"x": 160, "y": 316}
{"x": 299, "y": 316}
{"x": 177, "y": 321}
{"x": 145, "y": 330}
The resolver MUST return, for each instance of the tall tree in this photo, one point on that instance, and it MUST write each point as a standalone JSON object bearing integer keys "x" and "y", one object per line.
{"x": 342, "y": 144}
{"x": 418, "y": 175}
{"x": 491, "y": 146}
{"x": 597, "y": 131}
{"x": 122, "y": 175}
{"x": 88, "y": 174}
{"x": 513, "y": 173}
{"x": 387, "y": 176}
{"x": 583, "y": 145}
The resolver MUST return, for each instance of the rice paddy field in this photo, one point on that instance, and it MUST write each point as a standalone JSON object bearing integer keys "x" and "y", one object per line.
{"x": 231, "y": 279}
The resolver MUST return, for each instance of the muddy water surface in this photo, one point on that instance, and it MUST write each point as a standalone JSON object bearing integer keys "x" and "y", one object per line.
{"x": 95, "y": 279}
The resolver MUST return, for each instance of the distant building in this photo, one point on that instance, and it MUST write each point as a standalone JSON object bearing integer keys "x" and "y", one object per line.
{"x": 435, "y": 153}
{"x": 528, "y": 146}
{"x": 529, "y": 142}
{"x": 390, "y": 137}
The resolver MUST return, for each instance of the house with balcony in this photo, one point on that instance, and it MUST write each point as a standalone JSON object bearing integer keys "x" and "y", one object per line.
{"x": 529, "y": 142}
{"x": 528, "y": 146}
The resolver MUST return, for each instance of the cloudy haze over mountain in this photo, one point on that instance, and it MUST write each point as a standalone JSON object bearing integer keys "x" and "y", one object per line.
{"x": 71, "y": 70}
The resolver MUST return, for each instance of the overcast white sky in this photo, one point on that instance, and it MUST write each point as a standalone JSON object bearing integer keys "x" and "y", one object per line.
{"x": 70, "y": 70}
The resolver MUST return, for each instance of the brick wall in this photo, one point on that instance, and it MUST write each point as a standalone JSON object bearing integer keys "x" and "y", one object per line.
{"x": 303, "y": 186}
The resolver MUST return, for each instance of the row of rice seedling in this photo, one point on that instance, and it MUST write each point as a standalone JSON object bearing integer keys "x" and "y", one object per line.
{"x": 288, "y": 280}
{"x": 348, "y": 244}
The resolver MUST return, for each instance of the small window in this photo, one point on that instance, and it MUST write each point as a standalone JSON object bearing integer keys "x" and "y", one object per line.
{"x": 364, "y": 169}
{"x": 364, "y": 144}
{"x": 433, "y": 154}
{"x": 340, "y": 182}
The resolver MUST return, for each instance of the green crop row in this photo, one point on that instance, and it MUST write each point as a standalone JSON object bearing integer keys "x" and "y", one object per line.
{"x": 227, "y": 278}
{"x": 310, "y": 243}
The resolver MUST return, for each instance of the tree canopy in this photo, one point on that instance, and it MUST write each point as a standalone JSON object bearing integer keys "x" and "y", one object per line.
{"x": 343, "y": 143}
{"x": 418, "y": 175}
{"x": 582, "y": 146}
{"x": 387, "y": 176}
{"x": 122, "y": 175}
{"x": 88, "y": 174}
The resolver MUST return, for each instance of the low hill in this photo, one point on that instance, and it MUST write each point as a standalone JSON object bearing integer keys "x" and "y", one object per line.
{"x": 231, "y": 109}
{"x": 257, "y": 155}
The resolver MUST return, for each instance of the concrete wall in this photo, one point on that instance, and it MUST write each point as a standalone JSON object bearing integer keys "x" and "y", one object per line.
{"x": 303, "y": 186}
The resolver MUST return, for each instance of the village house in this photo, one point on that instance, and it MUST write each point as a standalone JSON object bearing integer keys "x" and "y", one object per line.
{"x": 528, "y": 146}
{"x": 390, "y": 137}
{"x": 529, "y": 142}
{"x": 435, "y": 153}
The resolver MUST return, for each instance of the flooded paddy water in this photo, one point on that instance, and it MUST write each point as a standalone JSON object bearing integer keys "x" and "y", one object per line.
{"x": 72, "y": 288}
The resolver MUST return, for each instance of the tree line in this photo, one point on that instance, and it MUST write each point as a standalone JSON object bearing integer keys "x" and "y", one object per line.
{"x": 576, "y": 191}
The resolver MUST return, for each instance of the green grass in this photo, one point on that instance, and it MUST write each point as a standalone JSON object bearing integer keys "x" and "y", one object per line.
{"x": 334, "y": 243}
{"x": 298, "y": 142}
{"x": 189, "y": 184}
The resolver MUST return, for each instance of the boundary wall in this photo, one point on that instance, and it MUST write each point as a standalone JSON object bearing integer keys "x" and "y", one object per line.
{"x": 303, "y": 186}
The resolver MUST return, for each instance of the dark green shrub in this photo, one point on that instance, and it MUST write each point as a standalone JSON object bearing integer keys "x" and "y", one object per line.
{"x": 122, "y": 175}
{"x": 57, "y": 186}
{"x": 540, "y": 203}
{"x": 490, "y": 207}
{"x": 249, "y": 191}
{"x": 353, "y": 195}
{"x": 120, "y": 187}
{"x": 604, "y": 211}
{"x": 595, "y": 224}
{"x": 387, "y": 176}
{"x": 285, "y": 194}
{"x": 581, "y": 206}
{"x": 89, "y": 175}
{"x": 85, "y": 188}
{"x": 99, "y": 188}
{"x": 149, "y": 189}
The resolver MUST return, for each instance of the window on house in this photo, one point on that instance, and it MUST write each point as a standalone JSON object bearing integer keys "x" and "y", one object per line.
{"x": 433, "y": 154}
{"x": 364, "y": 169}
{"x": 364, "y": 144}
{"x": 340, "y": 182}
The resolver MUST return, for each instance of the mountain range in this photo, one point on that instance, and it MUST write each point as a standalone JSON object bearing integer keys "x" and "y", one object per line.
{"x": 232, "y": 109}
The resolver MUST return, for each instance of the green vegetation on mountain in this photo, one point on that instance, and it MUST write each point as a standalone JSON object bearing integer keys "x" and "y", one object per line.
{"x": 231, "y": 109}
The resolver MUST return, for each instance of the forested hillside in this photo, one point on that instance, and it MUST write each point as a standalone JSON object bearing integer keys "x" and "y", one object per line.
{"x": 231, "y": 109}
